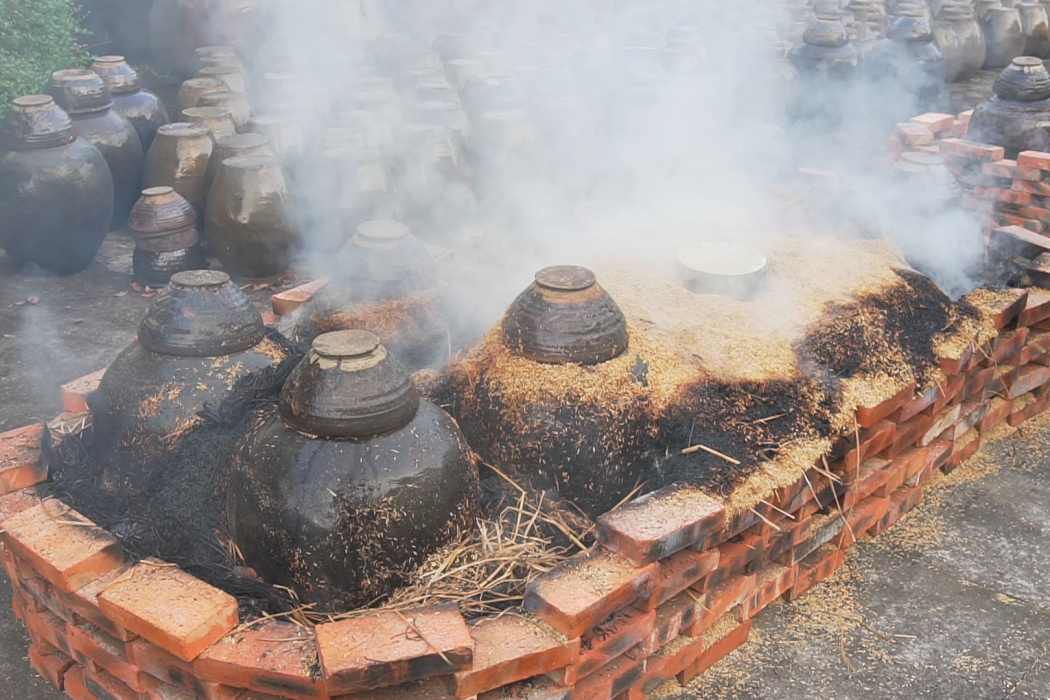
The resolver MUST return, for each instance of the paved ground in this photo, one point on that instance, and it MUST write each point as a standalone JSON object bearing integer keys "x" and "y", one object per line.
{"x": 952, "y": 603}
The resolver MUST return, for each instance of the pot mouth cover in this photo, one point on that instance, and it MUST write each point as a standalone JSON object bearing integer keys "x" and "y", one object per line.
{"x": 79, "y": 91}
{"x": 118, "y": 76}
{"x": 201, "y": 313}
{"x": 348, "y": 386}
{"x": 36, "y": 122}
{"x": 1024, "y": 80}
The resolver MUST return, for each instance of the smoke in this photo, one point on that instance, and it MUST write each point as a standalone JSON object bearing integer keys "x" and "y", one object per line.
{"x": 522, "y": 134}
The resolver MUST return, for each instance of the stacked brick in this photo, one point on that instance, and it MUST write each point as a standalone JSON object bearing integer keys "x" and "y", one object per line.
{"x": 671, "y": 587}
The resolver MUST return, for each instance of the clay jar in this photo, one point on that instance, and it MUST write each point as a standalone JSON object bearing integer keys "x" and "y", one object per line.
{"x": 83, "y": 95}
{"x": 141, "y": 107}
{"x": 231, "y": 146}
{"x": 383, "y": 281}
{"x": 959, "y": 39}
{"x": 219, "y": 121}
{"x": 825, "y": 51}
{"x": 56, "y": 191}
{"x": 1036, "y": 25}
{"x": 210, "y": 55}
{"x": 1017, "y": 117}
{"x": 1004, "y": 35}
{"x": 249, "y": 224}
{"x": 565, "y": 317}
{"x": 909, "y": 58}
{"x": 200, "y": 336}
{"x": 166, "y": 240}
{"x": 352, "y": 480}
{"x": 286, "y": 138}
{"x": 228, "y": 73}
{"x": 233, "y": 102}
{"x": 193, "y": 89}
{"x": 179, "y": 159}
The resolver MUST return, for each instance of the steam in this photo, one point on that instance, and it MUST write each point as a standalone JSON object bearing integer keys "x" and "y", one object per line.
{"x": 574, "y": 128}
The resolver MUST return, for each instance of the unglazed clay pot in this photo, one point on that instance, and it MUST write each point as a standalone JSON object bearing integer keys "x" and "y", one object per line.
{"x": 1004, "y": 35}
{"x": 249, "y": 224}
{"x": 179, "y": 159}
{"x": 383, "y": 281}
{"x": 193, "y": 89}
{"x": 198, "y": 338}
{"x": 352, "y": 480}
{"x": 141, "y": 107}
{"x": 1017, "y": 117}
{"x": 166, "y": 239}
{"x": 83, "y": 95}
{"x": 56, "y": 191}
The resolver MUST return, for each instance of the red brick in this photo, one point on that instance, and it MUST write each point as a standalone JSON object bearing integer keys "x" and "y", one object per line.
{"x": 814, "y": 569}
{"x": 770, "y": 583}
{"x": 51, "y": 667}
{"x": 170, "y": 608}
{"x": 734, "y": 556}
{"x": 1029, "y": 378}
{"x": 74, "y": 393}
{"x": 84, "y": 602}
{"x": 660, "y": 523}
{"x": 21, "y": 461}
{"x": 941, "y": 422}
{"x": 869, "y": 416}
{"x": 716, "y": 652}
{"x": 1030, "y": 410}
{"x": 873, "y": 475}
{"x": 719, "y": 600}
{"x": 861, "y": 519}
{"x": 1034, "y": 159}
{"x": 975, "y": 151}
{"x": 270, "y": 657}
{"x": 962, "y": 449}
{"x": 1019, "y": 241}
{"x": 429, "y": 689}
{"x": 511, "y": 648}
{"x": 1009, "y": 169}
{"x": 612, "y": 679}
{"x": 936, "y": 122}
{"x": 533, "y": 689}
{"x": 105, "y": 686}
{"x": 909, "y": 434}
{"x": 671, "y": 618}
{"x": 676, "y": 657}
{"x": 165, "y": 667}
{"x": 781, "y": 542}
{"x": 606, "y": 641}
{"x": 1001, "y": 382}
{"x": 919, "y": 403}
{"x": 872, "y": 442}
{"x": 13, "y": 503}
{"x": 977, "y": 380}
{"x": 389, "y": 648}
{"x": 894, "y": 149}
{"x": 676, "y": 573}
{"x": 914, "y": 134}
{"x": 63, "y": 545}
{"x": 1037, "y": 308}
{"x": 1033, "y": 225}
{"x": 1008, "y": 344}
{"x": 585, "y": 589}
{"x": 900, "y": 503}
{"x": 269, "y": 318}
{"x": 50, "y": 628}
{"x": 89, "y": 643}
{"x": 288, "y": 301}
{"x": 73, "y": 684}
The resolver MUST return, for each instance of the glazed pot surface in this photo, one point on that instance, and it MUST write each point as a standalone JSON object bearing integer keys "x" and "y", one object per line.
{"x": 119, "y": 143}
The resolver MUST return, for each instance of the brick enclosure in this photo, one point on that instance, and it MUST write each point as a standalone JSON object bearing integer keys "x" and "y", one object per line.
{"x": 670, "y": 589}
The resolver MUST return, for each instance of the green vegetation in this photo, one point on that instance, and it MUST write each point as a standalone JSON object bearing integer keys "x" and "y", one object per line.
{"x": 36, "y": 38}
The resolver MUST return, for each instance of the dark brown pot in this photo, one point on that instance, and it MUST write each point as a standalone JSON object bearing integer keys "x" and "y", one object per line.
{"x": 306, "y": 511}
{"x": 565, "y": 317}
{"x": 249, "y": 225}
{"x": 166, "y": 240}
{"x": 1017, "y": 117}
{"x": 83, "y": 95}
{"x": 193, "y": 89}
{"x": 199, "y": 337}
{"x": 179, "y": 159}
{"x": 219, "y": 121}
{"x": 232, "y": 146}
{"x": 56, "y": 191}
{"x": 233, "y": 102}
{"x": 141, "y": 107}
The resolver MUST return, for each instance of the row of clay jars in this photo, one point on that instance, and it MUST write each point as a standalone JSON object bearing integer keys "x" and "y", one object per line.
{"x": 85, "y": 97}
{"x": 56, "y": 190}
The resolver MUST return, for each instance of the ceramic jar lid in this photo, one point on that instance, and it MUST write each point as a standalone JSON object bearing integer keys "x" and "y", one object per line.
{"x": 565, "y": 317}
{"x": 201, "y": 314}
{"x": 348, "y": 386}
{"x": 36, "y": 122}
{"x": 826, "y": 30}
{"x": 79, "y": 91}
{"x": 1024, "y": 80}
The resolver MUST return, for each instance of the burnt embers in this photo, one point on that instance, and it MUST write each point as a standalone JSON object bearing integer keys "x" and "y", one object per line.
{"x": 345, "y": 486}
{"x": 198, "y": 338}
{"x": 565, "y": 317}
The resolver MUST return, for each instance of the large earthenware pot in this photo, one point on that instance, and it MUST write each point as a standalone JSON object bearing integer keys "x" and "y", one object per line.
{"x": 193, "y": 89}
{"x": 909, "y": 58}
{"x": 210, "y": 56}
{"x": 1017, "y": 117}
{"x": 1036, "y": 25}
{"x": 1004, "y": 36}
{"x": 959, "y": 39}
{"x": 83, "y": 95}
{"x": 56, "y": 191}
{"x": 351, "y": 481}
{"x": 825, "y": 51}
{"x": 565, "y": 317}
{"x": 200, "y": 337}
{"x": 383, "y": 281}
{"x": 141, "y": 107}
{"x": 229, "y": 73}
{"x": 166, "y": 239}
{"x": 233, "y": 102}
{"x": 231, "y": 146}
{"x": 249, "y": 225}
{"x": 218, "y": 120}
{"x": 179, "y": 159}
{"x": 286, "y": 137}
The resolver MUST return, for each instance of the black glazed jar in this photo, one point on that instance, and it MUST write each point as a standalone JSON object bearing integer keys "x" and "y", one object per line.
{"x": 164, "y": 225}
{"x": 56, "y": 191}
{"x": 345, "y": 485}
{"x": 200, "y": 336}
{"x": 139, "y": 106}
{"x": 84, "y": 96}
{"x": 1017, "y": 117}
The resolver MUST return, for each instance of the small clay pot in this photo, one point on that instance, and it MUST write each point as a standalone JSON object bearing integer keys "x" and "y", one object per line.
{"x": 179, "y": 159}
{"x": 565, "y": 317}
{"x": 218, "y": 120}
{"x": 191, "y": 91}
{"x": 166, "y": 239}
{"x": 56, "y": 190}
{"x": 1004, "y": 35}
{"x": 231, "y": 146}
{"x": 84, "y": 96}
{"x": 231, "y": 75}
{"x": 249, "y": 224}
{"x": 236, "y": 103}
{"x": 141, "y": 107}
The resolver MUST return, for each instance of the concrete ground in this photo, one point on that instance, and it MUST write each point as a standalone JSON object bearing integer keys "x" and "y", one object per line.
{"x": 954, "y": 602}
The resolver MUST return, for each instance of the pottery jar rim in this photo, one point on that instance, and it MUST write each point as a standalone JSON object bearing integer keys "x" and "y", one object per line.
{"x": 79, "y": 91}
{"x": 36, "y": 122}
{"x": 118, "y": 75}
{"x": 259, "y": 161}
{"x": 201, "y": 313}
{"x": 250, "y": 139}
{"x": 161, "y": 210}
{"x": 183, "y": 129}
